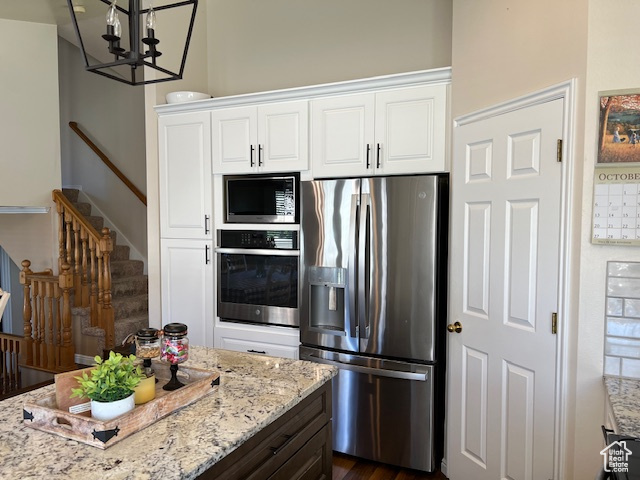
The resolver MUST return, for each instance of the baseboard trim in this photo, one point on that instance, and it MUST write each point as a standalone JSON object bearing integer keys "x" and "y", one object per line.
{"x": 83, "y": 359}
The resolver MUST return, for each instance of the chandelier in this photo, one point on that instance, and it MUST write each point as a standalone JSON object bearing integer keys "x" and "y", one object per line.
{"x": 126, "y": 48}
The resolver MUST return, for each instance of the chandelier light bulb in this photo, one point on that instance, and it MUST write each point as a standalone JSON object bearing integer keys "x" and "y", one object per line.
{"x": 151, "y": 19}
{"x": 117, "y": 28}
{"x": 112, "y": 15}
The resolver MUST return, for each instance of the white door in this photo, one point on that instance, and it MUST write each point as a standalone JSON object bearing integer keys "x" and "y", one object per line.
{"x": 410, "y": 130}
{"x": 185, "y": 175}
{"x": 505, "y": 241}
{"x": 342, "y": 135}
{"x": 283, "y": 136}
{"x": 235, "y": 140}
{"x": 187, "y": 287}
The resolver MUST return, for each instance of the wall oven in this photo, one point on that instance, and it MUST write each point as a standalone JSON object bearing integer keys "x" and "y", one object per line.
{"x": 257, "y": 272}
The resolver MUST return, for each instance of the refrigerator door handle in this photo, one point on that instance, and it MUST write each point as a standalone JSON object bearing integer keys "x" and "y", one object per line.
{"x": 419, "y": 376}
{"x": 364, "y": 266}
{"x": 353, "y": 261}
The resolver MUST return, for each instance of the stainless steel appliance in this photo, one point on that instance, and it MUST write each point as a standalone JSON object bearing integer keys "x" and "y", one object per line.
{"x": 262, "y": 198}
{"x": 373, "y": 303}
{"x": 258, "y": 276}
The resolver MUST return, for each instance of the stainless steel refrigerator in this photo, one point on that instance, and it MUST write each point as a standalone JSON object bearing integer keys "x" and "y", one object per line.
{"x": 373, "y": 302}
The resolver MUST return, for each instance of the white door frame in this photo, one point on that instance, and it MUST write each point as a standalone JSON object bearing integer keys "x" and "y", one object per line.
{"x": 566, "y": 281}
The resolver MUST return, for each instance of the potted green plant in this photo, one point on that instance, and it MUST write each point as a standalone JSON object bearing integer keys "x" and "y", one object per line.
{"x": 110, "y": 386}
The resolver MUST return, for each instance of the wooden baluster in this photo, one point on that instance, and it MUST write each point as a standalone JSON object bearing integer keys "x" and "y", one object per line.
{"x": 67, "y": 361}
{"x": 85, "y": 271}
{"x": 77, "y": 274}
{"x": 16, "y": 369}
{"x": 26, "y": 312}
{"x": 58, "y": 322}
{"x": 60, "y": 210}
{"x": 36, "y": 321}
{"x": 93, "y": 297}
{"x": 42, "y": 317}
{"x": 106, "y": 247}
{"x": 68, "y": 219}
{"x": 5, "y": 378}
{"x": 51, "y": 356}
{"x": 100, "y": 288}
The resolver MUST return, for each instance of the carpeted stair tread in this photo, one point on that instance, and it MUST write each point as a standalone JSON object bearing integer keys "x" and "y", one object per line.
{"x": 120, "y": 252}
{"x": 121, "y": 268}
{"x": 128, "y": 306}
{"x": 125, "y": 326}
{"x": 130, "y": 285}
{"x": 95, "y": 221}
{"x": 83, "y": 208}
{"x": 71, "y": 194}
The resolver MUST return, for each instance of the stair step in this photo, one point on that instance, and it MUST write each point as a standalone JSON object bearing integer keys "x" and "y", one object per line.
{"x": 126, "y": 326}
{"x": 83, "y": 208}
{"x": 126, "y": 268}
{"x": 95, "y": 221}
{"x": 132, "y": 285}
{"x": 120, "y": 252}
{"x": 71, "y": 194}
{"x": 130, "y": 305}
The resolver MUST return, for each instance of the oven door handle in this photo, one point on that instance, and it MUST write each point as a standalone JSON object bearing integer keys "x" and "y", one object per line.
{"x": 259, "y": 251}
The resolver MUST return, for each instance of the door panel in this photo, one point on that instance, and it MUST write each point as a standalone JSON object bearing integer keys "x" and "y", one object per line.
{"x": 504, "y": 251}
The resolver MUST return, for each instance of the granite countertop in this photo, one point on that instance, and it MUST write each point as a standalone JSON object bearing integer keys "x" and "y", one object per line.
{"x": 254, "y": 391}
{"x": 624, "y": 397}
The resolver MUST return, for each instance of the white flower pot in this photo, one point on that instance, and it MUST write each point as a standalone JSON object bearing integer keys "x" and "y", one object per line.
{"x": 107, "y": 410}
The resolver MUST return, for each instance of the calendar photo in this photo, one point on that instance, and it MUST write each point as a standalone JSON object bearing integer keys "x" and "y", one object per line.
{"x": 619, "y": 129}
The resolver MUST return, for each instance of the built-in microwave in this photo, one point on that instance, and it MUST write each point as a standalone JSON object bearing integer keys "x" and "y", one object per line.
{"x": 262, "y": 198}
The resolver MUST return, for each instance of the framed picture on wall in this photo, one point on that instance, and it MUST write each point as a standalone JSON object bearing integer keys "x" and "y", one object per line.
{"x": 619, "y": 129}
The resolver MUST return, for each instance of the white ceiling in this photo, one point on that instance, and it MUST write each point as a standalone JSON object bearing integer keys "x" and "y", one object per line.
{"x": 53, "y": 12}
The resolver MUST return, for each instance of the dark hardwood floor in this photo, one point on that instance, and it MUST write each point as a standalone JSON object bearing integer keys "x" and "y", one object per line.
{"x": 346, "y": 467}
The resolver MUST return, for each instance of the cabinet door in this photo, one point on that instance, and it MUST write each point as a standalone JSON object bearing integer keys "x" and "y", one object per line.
{"x": 235, "y": 140}
{"x": 342, "y": 135}
{"x": 411, "y": 130}
{"x": 185, "y": 175}
{"x": 187, "y": 287}
{"x": 283, "y": 136}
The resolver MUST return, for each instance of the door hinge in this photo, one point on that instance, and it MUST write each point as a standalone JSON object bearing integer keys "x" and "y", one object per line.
{"x": 554, "y": 323}
{"x": 559, "y": 150}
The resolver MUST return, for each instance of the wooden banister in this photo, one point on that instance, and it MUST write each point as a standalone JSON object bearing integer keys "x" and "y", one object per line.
{"x": 88, "y": 253}
{"x": 108, "y": 163}
{"x": 10, "y": 350}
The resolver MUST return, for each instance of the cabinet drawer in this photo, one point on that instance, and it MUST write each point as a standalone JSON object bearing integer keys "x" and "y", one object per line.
{"x": 298, "y": 444}
{"x": 260, "y": 348}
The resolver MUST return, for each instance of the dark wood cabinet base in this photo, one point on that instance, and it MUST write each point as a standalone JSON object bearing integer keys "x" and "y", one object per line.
{"x": 295, "y": 446}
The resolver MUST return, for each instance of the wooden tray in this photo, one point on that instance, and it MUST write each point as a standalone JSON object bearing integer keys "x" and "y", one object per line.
{"x": 43, "y": 414}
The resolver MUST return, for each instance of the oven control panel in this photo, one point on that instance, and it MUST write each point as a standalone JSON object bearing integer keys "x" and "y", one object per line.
{"x": 258, "y": 239}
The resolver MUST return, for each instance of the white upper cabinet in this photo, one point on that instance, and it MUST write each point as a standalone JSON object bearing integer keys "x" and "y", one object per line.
{"x": 184, "y": 150}
{"x": 265, "y": 138}
{"x": 393, "y": 131}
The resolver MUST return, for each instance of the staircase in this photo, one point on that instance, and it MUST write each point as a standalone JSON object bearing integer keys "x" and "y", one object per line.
{"x": 129, "y": 287}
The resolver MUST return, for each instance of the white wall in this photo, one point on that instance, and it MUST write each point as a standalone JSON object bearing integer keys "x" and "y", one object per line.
{"x": 30, "y": 139}
{"x": 112, "y": 115}
{"x": 259, "y": 46}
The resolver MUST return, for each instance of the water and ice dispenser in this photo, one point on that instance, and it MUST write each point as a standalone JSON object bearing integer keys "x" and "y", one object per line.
{"x": 327, "y": 293}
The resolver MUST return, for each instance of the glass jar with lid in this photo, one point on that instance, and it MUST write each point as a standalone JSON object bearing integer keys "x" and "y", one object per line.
{"x": 174, "y": 350}
{"x": 147, "y": 343}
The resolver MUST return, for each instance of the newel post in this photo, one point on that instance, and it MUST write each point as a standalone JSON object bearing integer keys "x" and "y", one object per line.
{"x": 67, "y": 354}
{"x": 26, "y": 313}
{"x": 108, "y": 317}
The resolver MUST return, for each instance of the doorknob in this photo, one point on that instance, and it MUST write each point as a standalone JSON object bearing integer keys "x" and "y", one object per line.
{"x": 455, "y": 327}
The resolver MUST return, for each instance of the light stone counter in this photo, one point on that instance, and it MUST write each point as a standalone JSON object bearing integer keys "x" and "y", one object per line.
{"x": 253, "y": 392}
{"x": 624, "y": 397}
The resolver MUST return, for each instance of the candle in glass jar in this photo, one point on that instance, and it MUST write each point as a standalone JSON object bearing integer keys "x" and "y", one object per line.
{"x": 145, "y": 391}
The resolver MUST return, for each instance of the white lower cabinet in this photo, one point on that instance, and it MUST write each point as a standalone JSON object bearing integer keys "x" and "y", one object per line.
{"x": 271, "y": 341}
{"x": 187, "y": 287}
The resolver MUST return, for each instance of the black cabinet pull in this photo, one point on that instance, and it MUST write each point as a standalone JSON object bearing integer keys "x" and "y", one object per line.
{"x": 259, "y": 155}
{"x": 257, "y": 351}
{"x": 206, "y": 254}
{"x": 206, "y": 224}
{"x": 378, "y": 156}
{"x": 251, "y": 149}
{"x": 368, "y": 152}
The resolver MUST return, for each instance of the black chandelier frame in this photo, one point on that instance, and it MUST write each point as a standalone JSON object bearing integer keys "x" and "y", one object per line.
{"x": 135, "y": 57}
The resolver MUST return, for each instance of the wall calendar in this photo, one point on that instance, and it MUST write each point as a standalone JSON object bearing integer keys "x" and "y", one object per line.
{"x": 616, "y": 205}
